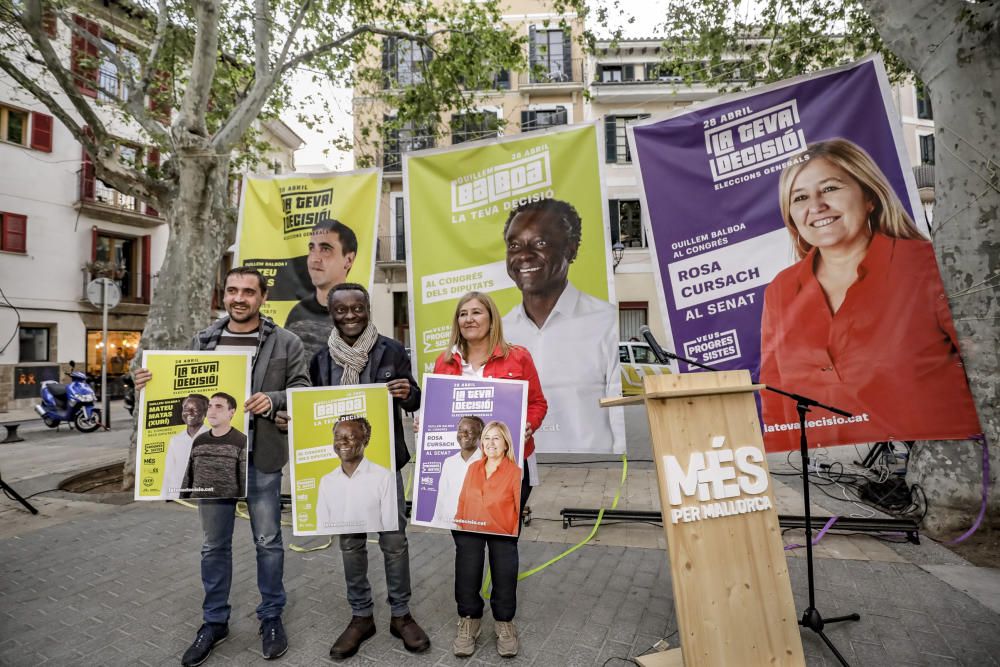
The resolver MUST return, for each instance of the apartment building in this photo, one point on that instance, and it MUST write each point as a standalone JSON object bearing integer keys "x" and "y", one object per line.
{"x": 62, "y": 226}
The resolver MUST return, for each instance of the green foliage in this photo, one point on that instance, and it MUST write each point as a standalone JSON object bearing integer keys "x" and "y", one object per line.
{"x": 735, "y": 45}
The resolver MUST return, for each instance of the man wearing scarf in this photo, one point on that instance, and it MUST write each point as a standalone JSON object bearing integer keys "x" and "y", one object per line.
{"x": 357, "y": 354}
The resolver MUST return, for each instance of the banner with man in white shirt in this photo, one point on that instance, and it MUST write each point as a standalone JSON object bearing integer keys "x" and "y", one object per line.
{"x": 342, "y": 460}
{"x": 523, "y": 218}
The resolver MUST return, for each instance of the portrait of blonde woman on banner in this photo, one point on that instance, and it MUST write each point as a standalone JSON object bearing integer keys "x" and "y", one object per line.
{"x": 861, "y": 321}
{"x": 490, "y": 499}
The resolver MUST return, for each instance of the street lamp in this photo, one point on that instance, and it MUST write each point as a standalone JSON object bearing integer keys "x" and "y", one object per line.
{"x": 617, "y": 252}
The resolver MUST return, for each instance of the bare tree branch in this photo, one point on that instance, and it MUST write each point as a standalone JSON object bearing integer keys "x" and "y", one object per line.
{"x": 296, "y": 24}
{"x": 261, "y": 40}
{"x": 203, "y": 64}
{"x": 159, "y": 39}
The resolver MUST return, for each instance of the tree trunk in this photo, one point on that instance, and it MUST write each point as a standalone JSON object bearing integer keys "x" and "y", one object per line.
{"x": 954, "y": 47}
{"x": 200, "y": 231}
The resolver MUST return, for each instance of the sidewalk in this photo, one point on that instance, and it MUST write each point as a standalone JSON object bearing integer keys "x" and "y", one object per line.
{"x": 91, "y": 583}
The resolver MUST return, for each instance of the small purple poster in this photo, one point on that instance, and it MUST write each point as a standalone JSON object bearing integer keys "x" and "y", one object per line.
{"x": 790, "y": 241}
{"x": 470, "y": 454}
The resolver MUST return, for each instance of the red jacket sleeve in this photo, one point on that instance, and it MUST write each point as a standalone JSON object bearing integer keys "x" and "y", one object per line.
{"x": 443, "y": 367}
{"x": 537, "y": 405}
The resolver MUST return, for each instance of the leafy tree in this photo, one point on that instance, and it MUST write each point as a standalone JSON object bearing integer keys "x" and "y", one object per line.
{"x": 223, "y": 67}
{"x": 952, "y": 47}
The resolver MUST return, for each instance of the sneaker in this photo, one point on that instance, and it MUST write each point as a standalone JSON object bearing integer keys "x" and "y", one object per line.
{"x": 209, "y": 636}
{"x": 465, "y": 640}
{"x": 506, "y": 639}
{"x": 415, "y": 640}
{"x": 358, "y": 630}
{"x": 273, "y": 638}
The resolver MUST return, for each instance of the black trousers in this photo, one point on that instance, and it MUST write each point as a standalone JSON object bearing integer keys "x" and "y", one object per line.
{"x": 469, "y": 561}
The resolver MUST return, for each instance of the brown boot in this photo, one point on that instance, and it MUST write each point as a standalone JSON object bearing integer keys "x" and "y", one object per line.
{"x": 414, "y": 638}
{"x": 358, "y": 630}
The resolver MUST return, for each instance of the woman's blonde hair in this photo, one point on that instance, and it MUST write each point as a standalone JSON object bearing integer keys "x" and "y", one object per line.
{"x": 495, "y": 335}
{"x": 504, "y": 433}
{"x": 888, "y": 216}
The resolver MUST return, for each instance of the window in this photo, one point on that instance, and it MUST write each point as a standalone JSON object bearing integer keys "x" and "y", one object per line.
{"x": 403, "y": 62}
{"x": 474, "y": 125}
{"x": 93, "y": 189}
{"x": 33, "y": 343}
{"x": 924, "y": 109}
{"x": 615, "y": 73}
{"x": 550, "y": 56}
{"x": 121, "y": 349}
{"x": 539, "y": 119}
{"x": 616, "y": 141}
{"x": 626, "y": 223}
{"x": 13, "y": 232}
{"x": 632, "y": 316}
{"x": 126, "y": 260}
{"x": 643, "y": 355}
{"x": 661, "y": 72}
{"x": 926, "y": 149}
{"x": 409, "y": 137}
{"x": 112, "y": 84}
{"x": 84, "y": 56}
{"x": 26, "y": 128}
{"x": 392, "y": 246}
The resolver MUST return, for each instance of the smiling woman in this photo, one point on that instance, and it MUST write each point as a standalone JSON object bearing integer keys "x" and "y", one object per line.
{"x": 861, "y": 320}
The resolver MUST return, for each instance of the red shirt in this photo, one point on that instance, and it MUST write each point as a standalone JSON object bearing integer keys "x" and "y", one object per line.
{"x": 517, "y": 365}
{"x": 889, "y": 355}
{"x": 490, "y": 505}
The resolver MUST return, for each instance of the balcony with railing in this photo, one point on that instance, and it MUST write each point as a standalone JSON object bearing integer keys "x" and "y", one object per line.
{"x": 100, "y": 200}
{"x": 403, "y": 142}
{"x": 552, "y": 74}
{"x": 136, "y": 287}
{"x": 391, "y": 249}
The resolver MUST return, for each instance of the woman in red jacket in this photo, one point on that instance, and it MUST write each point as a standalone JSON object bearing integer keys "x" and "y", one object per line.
{"x": 477, "y": 349}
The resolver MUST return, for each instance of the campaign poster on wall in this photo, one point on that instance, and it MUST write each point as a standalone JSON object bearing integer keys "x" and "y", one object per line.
{"x": 524, "y": 220}
{"x": 307, "y": 233}
{"x": 790, "y": 241}
{"x": 192, "y": 437}
{"x": 342, "y": 459}
{"x": 470, "y": 454}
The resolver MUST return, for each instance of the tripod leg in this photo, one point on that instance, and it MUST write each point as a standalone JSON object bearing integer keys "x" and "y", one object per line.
{"x": 14, "y": 494}
{"x": 841, "y": 619}
{"x": 833, "y": 648}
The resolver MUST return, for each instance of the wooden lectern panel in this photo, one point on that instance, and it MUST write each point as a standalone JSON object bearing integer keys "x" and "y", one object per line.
{"x": 730, "y": 578}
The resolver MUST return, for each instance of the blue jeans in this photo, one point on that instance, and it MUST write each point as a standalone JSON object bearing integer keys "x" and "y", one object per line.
{"x": 395, "y": 552}
{"x": 217, "y": 519}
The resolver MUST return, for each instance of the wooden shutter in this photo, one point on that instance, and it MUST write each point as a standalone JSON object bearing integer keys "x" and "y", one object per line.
{"x": 93, "y": 243}
{"x": 568, "y": 56}
{"x": 628, "y": 73}
{"x": 610, "y": 140}
{"x": 153, "y": 160}
{"x": 527, "y": 121}
{"x": 15, "y": 232}
{"x": 160, "y": 99}
{"x": 146, "y": 269}
{"x": 86, "y": 177}
{"x": 81, "y": 51}
{"x": 41, "y": 132}
{"x": 613, "y": 216}
{"x": 50, "y": 23}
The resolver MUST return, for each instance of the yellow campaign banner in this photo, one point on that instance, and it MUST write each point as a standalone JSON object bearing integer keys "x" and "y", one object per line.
{"x": 342, "y": 456}
{"x": 307, "y": 233}
{"x": 192, "y": 439}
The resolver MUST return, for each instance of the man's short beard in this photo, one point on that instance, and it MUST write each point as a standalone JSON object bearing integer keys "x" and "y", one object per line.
{"x": 250, "y": 316}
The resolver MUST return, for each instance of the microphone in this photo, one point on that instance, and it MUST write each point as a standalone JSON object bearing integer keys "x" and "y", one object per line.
{"x": 661, "y": 356}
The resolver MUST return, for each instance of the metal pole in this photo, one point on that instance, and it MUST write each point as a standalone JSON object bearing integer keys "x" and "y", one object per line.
{"x": 104, "y": 354}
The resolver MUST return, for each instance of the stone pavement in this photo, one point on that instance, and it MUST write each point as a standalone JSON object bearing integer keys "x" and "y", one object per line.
{"x": 97, "y": 584}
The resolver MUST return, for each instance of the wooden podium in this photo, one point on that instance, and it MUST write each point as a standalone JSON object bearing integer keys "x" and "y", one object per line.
{"x": 730, "y": 578}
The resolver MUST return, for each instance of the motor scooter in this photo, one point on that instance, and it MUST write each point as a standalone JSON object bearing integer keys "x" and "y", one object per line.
{"x": 72, "y": 403}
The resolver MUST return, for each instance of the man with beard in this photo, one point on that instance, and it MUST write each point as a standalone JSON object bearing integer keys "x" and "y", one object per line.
{"x": 193, "y": 410}
{"x": 357, "y": 354}
{"x": 279, "y": 363}
{"x": 333, "y": 247}
{"x": 572, "y": 336}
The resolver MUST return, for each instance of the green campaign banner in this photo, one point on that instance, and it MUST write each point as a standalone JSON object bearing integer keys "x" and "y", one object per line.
{"x": 307, "y": 233}
{"x": 192, "y": 437}
{"x": 524, "y": 219}
{"x": 342, "y": 458}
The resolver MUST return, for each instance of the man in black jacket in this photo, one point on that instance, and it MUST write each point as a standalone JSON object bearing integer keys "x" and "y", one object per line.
{"x": 279, "y": 363}
{"x": 357, "y": 354}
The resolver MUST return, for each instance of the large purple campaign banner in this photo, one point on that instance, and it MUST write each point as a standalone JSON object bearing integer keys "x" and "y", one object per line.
{"x": 465, "y": 424}
{"x": 841, "y": 236}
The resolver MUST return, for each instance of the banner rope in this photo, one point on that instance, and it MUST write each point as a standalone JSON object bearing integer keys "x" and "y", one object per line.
{"x": 597, "y": 524}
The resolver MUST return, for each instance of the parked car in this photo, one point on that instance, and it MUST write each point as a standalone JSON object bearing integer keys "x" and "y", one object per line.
{"x": 637, "y": 361}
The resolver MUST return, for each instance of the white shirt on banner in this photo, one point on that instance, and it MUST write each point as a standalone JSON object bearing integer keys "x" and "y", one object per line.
{"x": 178, "y": 453}
{"x": 576, "y": 354}
{"x": 450, "y": 486}
{"x": 361, "y": 503}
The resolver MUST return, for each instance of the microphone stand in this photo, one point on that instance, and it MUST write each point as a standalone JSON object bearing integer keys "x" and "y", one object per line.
{"x": 811, "y": 618}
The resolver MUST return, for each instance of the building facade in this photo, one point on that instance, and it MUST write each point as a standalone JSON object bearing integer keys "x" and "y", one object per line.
{"x": 62, "y": 227}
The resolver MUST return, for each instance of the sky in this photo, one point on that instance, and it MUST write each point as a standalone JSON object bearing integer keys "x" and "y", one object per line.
{"x": 647, "y": 14}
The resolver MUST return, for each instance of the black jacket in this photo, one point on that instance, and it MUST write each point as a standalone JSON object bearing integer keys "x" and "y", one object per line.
{"x": 387, "y": 361}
